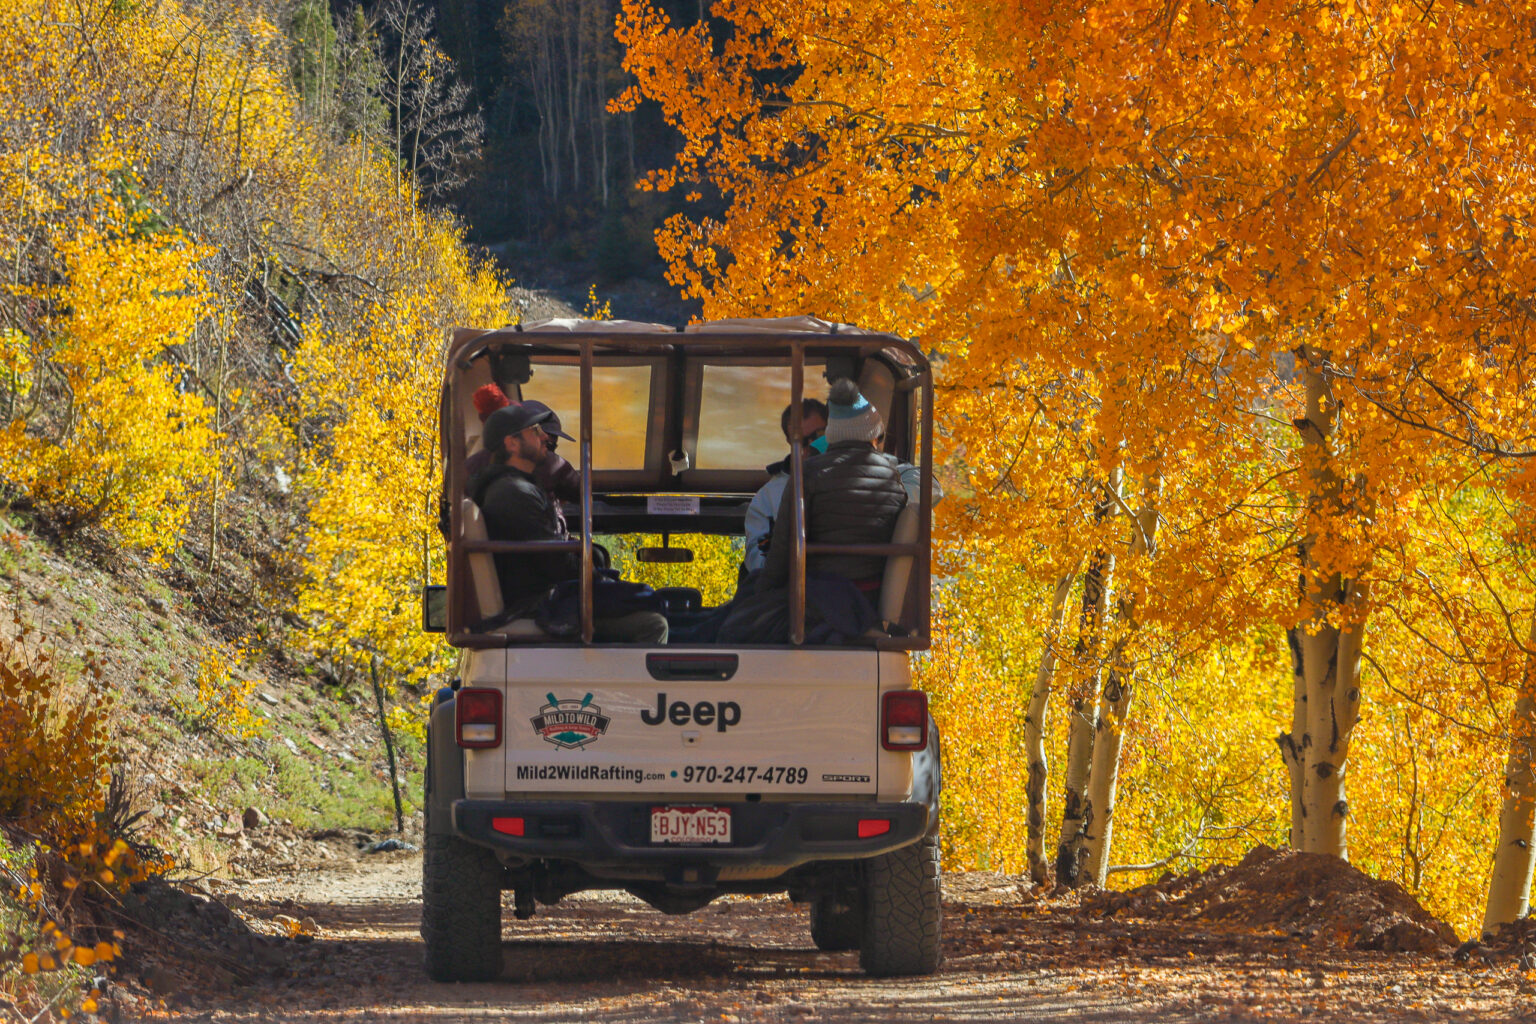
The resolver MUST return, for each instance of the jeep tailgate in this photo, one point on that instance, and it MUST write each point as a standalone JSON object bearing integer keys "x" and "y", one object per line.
{"x": 681, "y": 723}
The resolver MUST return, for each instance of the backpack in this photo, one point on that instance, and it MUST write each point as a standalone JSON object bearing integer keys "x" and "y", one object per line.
{"x": 559, "y": 613}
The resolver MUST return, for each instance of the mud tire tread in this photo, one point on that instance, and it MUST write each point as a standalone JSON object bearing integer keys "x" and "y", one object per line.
{"x": 902, "y": 911}
{"x": 460, "y": 910}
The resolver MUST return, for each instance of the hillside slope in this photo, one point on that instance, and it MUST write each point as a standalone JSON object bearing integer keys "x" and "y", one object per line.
{"x": 220, "y": 705}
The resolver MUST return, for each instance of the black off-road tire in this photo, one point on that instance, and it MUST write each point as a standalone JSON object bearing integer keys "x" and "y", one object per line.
{"x": 902, "y": 911}
{"x": 460, "y": 910}
{"x": 836, "y": 924}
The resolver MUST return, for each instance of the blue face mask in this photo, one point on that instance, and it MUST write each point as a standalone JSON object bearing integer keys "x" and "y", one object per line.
{"x": 820, "y": 445}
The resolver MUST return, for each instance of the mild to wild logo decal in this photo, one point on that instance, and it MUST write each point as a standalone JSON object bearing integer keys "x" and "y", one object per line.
{"x": 570, "y": 724}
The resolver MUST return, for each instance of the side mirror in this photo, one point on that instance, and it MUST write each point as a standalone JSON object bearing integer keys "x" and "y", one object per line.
{"x": 663, "y": 554}
{"x": 434, "y": 609}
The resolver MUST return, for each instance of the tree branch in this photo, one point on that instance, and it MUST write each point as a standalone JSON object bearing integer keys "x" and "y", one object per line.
{"x": 1333, "y": 154}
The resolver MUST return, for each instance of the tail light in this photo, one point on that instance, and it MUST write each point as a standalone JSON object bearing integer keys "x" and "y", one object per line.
{"x": 904, "y": 720}
{"x": 477, "y": 717}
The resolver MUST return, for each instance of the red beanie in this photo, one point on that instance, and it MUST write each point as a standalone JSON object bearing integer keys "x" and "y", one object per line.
{"x": 488, "y": 399}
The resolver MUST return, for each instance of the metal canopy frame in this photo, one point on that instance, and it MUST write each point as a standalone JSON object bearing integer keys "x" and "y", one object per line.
{"x": 914, "y": 376}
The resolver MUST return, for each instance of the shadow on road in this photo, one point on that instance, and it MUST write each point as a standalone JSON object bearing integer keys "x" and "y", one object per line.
{"x": 616, "y": 961}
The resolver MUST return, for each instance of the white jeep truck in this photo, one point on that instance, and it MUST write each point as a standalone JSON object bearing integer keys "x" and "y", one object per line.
{"x": 682, "y": 772}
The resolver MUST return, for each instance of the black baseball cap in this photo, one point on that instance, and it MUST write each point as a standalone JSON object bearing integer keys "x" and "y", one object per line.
{"x": 510, "y": 420}
{"x": 551, "y": 425}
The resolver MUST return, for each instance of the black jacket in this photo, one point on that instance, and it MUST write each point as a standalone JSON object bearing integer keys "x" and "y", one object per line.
{"x": 515, "y": 507}
{"x": 853, "y": 494}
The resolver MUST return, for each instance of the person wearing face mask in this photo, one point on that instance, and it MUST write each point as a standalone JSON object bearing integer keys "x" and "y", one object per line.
{"x": 765, "y": 503}
{"x": 911, "y": 476}
{"x": 853, "y": 493}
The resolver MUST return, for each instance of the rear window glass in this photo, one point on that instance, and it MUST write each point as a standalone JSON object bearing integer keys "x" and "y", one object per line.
{"x": 621, "y": 407}
{"x": 739, "y": 410}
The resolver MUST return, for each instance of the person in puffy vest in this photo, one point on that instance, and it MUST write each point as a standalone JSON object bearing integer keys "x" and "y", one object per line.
{"x": 853, "y": 493}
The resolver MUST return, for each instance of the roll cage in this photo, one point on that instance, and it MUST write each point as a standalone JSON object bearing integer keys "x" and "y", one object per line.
{"x": 664, "y": 493}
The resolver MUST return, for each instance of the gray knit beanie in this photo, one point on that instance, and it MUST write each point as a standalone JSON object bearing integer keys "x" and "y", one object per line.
{"x": 850, "y": 417}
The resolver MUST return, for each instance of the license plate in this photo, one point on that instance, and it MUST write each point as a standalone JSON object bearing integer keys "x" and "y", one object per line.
{"x": 691, "y": 825}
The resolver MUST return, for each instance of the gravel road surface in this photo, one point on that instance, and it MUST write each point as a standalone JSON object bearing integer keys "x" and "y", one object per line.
{"x": 1009, "y": 956}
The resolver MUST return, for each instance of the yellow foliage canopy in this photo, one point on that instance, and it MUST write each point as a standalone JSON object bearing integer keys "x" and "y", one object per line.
{"x": 146, "y": 207}
{"x": 97, "y": 422}
{"x": 374, "y": 484}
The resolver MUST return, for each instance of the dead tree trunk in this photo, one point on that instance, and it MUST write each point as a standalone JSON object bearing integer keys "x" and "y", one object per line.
{"x": 1034, "y": 732}
{"x": 218, "y": 427}
{"x": 389, "y": 742}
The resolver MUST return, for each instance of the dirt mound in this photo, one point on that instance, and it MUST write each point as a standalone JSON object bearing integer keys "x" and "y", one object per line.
{"x": 1312, "y": 896}
{"x": 1517, "y": 938}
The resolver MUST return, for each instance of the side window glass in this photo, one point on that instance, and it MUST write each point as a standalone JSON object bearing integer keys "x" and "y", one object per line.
{"x": 739, "y": 410}
{"x": 621, "y": 410}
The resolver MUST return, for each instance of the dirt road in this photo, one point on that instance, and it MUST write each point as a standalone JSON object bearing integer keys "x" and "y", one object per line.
{"x": 1008, "y": 956}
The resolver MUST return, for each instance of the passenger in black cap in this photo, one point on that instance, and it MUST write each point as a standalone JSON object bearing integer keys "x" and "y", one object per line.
{"x": 516, "y": 507}
{"x": 553, "y": 473}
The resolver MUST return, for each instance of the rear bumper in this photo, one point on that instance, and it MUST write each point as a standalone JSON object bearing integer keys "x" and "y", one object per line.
{"x": 617, "y": 834}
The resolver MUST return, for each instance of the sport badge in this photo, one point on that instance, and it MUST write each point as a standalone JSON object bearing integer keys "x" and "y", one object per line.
{"x": 570, "y": 724}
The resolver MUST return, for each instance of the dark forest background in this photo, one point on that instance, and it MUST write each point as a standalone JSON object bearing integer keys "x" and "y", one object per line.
{"x": 499, "y": 108}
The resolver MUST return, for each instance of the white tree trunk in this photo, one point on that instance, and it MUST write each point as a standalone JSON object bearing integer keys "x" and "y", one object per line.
{"x": 1332, "y": 628}
{"x": 1509, "y": 893}
{"x": 1331, "y": 664}
{"x": 1034, "y": 733}
{"x": 575, "y": 53}
{"x": 1114, "y": 707}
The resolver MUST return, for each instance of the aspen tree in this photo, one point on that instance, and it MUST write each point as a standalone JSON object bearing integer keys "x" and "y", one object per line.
{"x": 1083, "y": 695}
{"x": 435, "y": 131}
{"x": 1053, "y": 179}
{"x": 1509, "y": 892}
{"x": 1332, "y": 622}
{"x": 1115, "y": 705}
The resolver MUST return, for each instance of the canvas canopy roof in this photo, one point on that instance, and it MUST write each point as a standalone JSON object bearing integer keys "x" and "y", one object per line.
{"x": 695, "y": 409}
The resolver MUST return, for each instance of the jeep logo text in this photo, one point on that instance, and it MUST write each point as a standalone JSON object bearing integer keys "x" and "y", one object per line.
{"x": 722, "y": 715}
